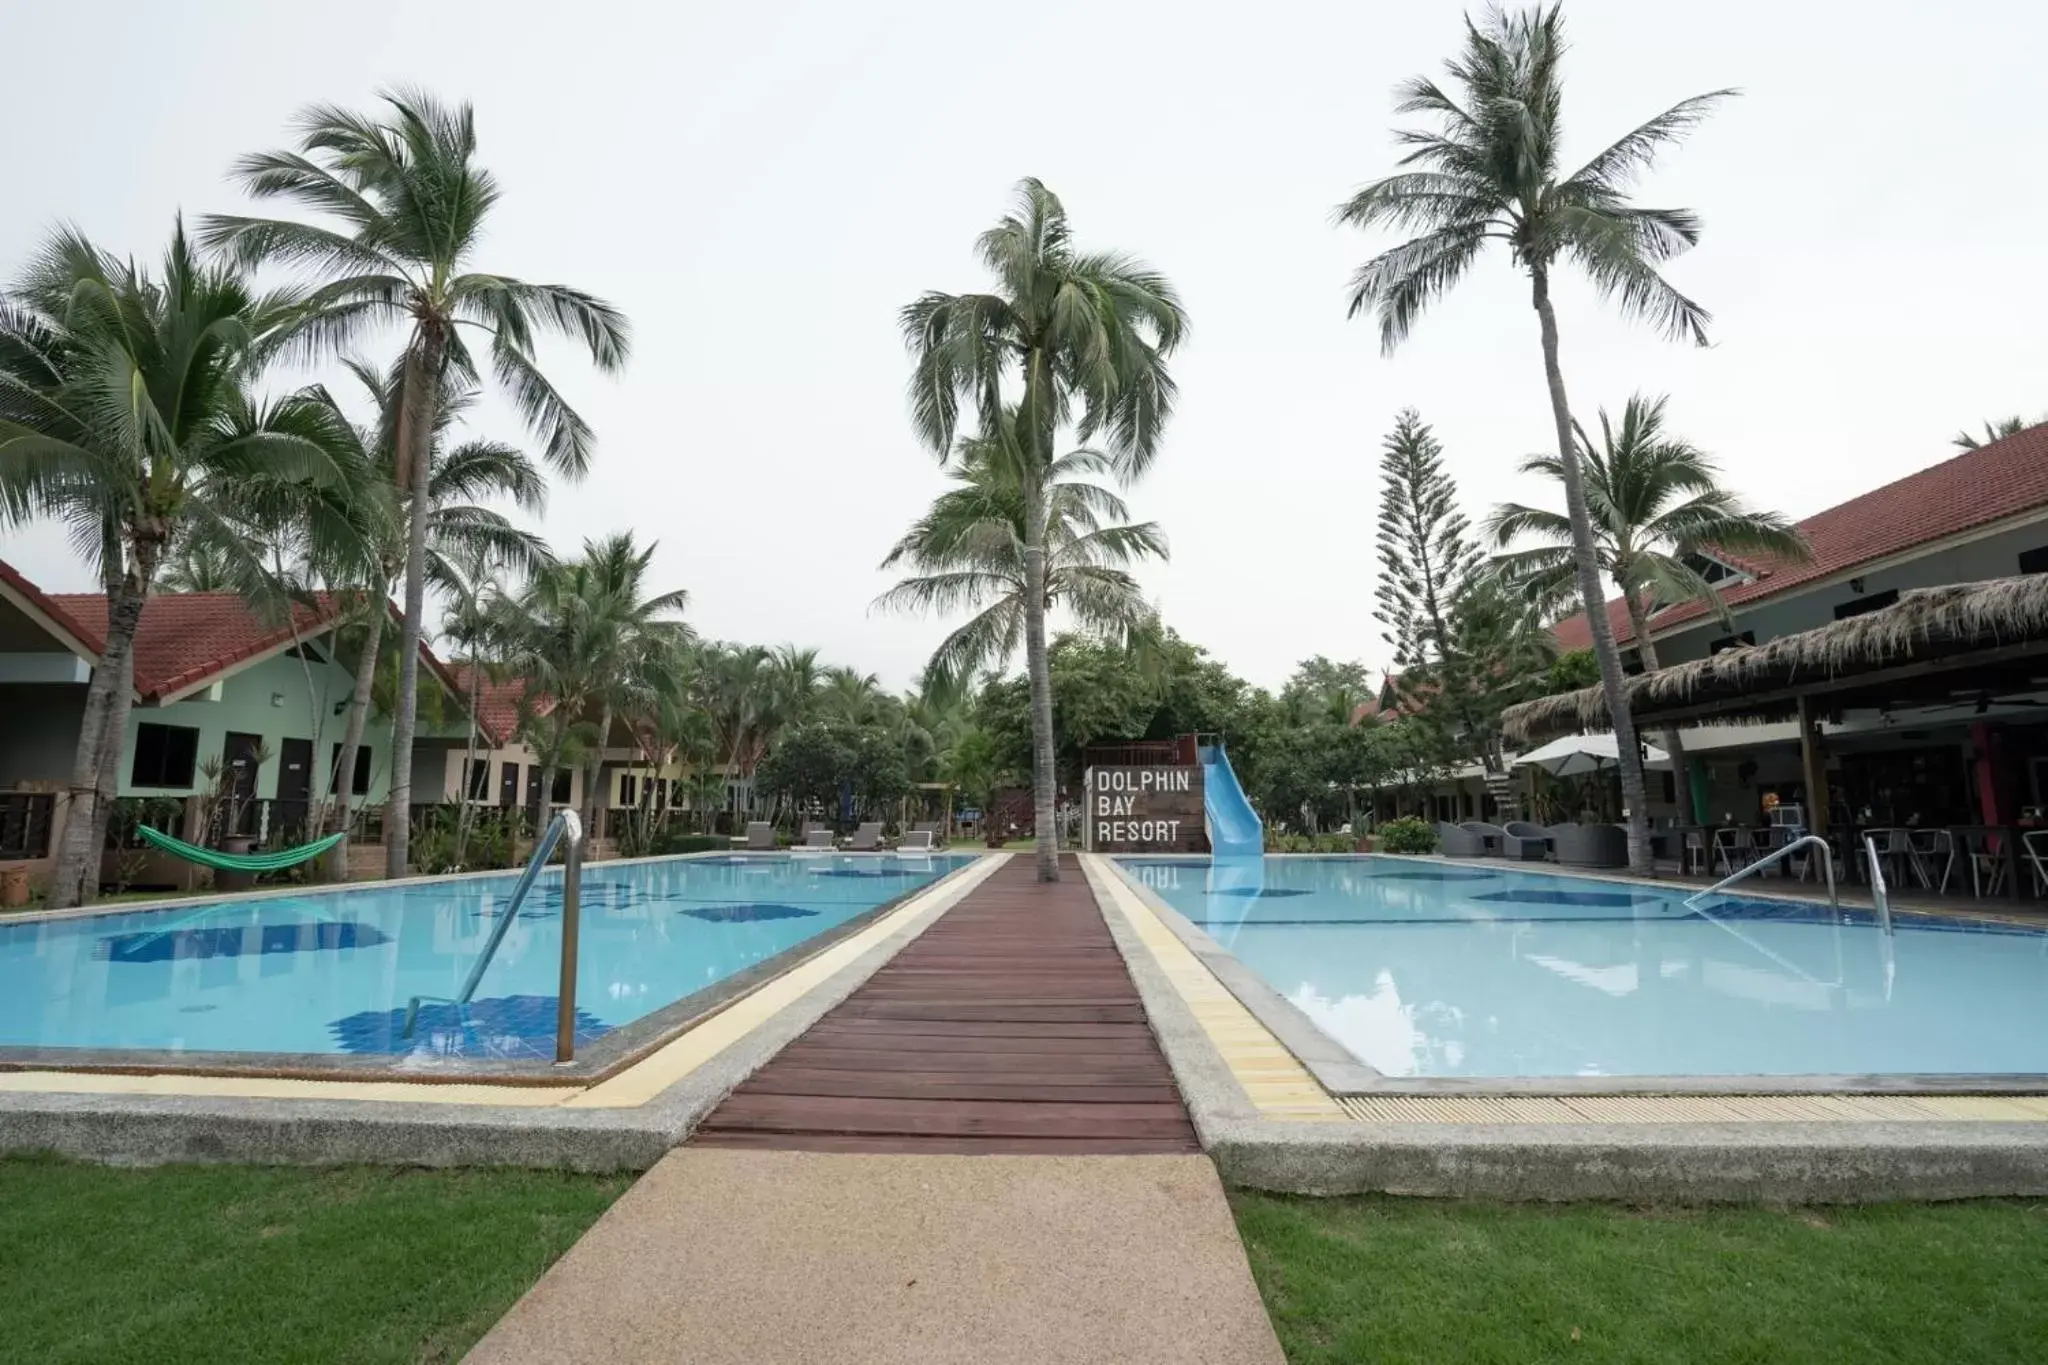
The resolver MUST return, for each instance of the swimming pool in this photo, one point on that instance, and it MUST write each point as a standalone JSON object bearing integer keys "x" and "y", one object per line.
{"x": 1432, "y": 970}
{"x": 332, "y": 972}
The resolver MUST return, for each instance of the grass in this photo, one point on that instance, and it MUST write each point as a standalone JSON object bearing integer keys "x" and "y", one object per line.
{"x": 1349, "y": 1280}
{"x": 220, "y": 1264}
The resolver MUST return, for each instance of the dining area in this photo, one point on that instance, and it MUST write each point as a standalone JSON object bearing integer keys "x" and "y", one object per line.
{"x": 1981, "y": 862}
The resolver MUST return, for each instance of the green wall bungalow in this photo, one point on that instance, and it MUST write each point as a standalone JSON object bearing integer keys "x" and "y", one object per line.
{"x": 215, "y": 682}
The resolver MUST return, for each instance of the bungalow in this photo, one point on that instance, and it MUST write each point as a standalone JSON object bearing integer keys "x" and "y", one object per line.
{"x": 1980, "y": 756}
{"x": 218, "y": 689}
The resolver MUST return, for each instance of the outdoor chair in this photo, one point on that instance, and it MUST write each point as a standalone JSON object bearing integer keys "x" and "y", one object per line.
{"x": 2035, "y": 842}
{"x": 1458, "y": 842}
{"x": 1524, "y": 842}
{"x": 917, "y": 841}
{"x": 1694, "y": 860}
{"x": 867, "y": 838}
{"x": 1490, "y": 836}
{"x": 1591, "y": 845}
{"x": 1894, "y": 851}
{"x": 1933, "y": 848}
{"x": 1732, "y": 852}
{"x": 760, "y": 834}
{"x": 818, "y": 836}
{"x": 1986, "y": 850}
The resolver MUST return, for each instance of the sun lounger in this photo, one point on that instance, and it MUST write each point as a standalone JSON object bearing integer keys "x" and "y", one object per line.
{"x": 760, "y": 834}
{"x": 1523, "y": 842}
{"x": 818, "y": 837}
{"x": 1458, "y": 842}
{"x": 1490, "y": 836}
{"x": 917, "y": 841}
{"x": 867, "y": 838}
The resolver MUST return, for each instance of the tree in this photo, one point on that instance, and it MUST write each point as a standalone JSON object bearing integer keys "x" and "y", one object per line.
{"x": 1321, "y": 685}
{"x": 1491, "y": 171}
{"x": 411, "y": 206}
{"x": 127, "y": 410}
{"x": 1657, "y": 504}
{"x": 1993, "y": 431}
{"x": 1083, "y": 337}
{"x": 1426, "y": 554}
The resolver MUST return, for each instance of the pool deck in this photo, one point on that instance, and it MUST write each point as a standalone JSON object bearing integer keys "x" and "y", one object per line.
{"x": 1011, "y": 1025}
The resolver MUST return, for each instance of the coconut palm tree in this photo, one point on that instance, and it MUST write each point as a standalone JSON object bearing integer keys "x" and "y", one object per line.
{"x": 798, "y": 676}
{"x": 1492, "y": 170}
{"x": 1993, "y": 431}
{"x": 409, "y": 204}
{"x": 968, "y": 554}
{"x": 127, "y": 410}
{"x": 1657, "y": 503}
{"x": 1083, "y": 339}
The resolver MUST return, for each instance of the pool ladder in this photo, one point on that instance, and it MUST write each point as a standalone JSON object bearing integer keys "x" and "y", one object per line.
{"x": 1827, "y": 862}
{"x": 567, "y": 825}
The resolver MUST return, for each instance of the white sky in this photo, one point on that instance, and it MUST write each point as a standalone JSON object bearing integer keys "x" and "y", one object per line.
{"x": 762, "y": 186}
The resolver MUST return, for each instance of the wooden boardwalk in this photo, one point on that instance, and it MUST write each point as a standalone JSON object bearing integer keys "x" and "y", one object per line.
{"x": 1010, "y": 1025}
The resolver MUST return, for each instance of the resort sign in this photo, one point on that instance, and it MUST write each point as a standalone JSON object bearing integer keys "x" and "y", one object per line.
{"x": 1145, "y": 810}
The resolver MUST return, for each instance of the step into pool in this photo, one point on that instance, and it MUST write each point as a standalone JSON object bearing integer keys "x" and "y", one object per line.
{"x": 1423, "y": 969}
{"x": 331, "y": 972}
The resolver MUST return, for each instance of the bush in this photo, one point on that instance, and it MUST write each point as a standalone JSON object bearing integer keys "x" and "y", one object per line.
{"x": 670, "y": 842}
{"x": 1309, "y": 843}
{"x": 1409, "y": 834}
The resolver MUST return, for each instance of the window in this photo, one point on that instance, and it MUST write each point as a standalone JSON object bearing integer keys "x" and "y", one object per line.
{"x": 533, "y": 786}
{"x": 361, "y": 785}
{"x": 1876, "y": 601}
{"x": 164, "y": 756}
{"x": 1670, "y": 788}
{"x": 2034, "y": 560}
{"x": 1747, "y": 637}
{"x": 560, "y": 795}
{"x": 480, "y": 780}
{"x": 629, "y": 790}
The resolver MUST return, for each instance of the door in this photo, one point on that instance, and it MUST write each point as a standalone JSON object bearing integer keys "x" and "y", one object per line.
{"x": 238, "y": 756}
{"x": 294, "y": 791}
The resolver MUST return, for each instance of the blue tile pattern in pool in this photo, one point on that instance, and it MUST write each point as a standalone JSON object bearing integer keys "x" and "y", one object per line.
{"x": 1476, "y": 972}
{"x": 328, "y": 971}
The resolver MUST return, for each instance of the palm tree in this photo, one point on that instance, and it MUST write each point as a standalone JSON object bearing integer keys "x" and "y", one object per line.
{"x": 850, "y": 696}
{"x": 1084, "y": 337}
{"x": 127, "y": 410}
{"x": 798, "y": 676}
{"x": 968, "y": 554}
{"x": 1491, "y": 172}
{"x": 1993, "y": 431}
{"x": 1657, "y": 504}
{"x": 459, "y": 528}
{"x": 411, "y": 205}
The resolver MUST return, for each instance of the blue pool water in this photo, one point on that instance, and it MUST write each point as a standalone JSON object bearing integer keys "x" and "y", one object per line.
{"x": 1424, "y": 970}
{"x": 332, "y": 972}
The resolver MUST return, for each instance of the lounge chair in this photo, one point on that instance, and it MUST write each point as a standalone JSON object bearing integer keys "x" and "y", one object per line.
{"x": 1591, "y": 845}
{"x": 1523, "y": 842}
{"x": 867, "y": 838}
{"x": 917, "y": 841}
{"x": 1490, "y": 836}
{"x": 760, "y": 834}
{"x": 1456, "y": 841}
{"x": 818, "y": 837}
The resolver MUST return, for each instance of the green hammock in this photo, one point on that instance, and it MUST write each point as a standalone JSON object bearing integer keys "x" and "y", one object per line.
{"x": 239, "y": 862}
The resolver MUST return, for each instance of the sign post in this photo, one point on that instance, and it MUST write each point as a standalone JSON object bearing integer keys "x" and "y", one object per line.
{"x": 1145, "y": 810}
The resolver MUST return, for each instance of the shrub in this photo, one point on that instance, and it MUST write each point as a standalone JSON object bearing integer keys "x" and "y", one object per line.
{"x": 1408, "y": 834}
{"x": 670, "y": 842}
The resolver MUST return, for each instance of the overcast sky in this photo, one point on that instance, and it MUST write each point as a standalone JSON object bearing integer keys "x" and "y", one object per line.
{"x": 762, "y": 186}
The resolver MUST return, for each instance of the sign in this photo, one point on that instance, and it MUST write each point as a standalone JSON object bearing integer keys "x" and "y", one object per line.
{"x": 1145, "y": 810}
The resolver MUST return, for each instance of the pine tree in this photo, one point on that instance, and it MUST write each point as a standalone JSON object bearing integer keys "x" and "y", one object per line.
{"x": 1426, "y": 552}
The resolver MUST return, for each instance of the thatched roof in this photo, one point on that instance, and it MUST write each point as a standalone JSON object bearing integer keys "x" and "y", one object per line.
{"x": 1926, "y": 624}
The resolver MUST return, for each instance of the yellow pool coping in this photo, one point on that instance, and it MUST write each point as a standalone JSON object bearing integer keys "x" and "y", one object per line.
{"x": 630, "y": 1088}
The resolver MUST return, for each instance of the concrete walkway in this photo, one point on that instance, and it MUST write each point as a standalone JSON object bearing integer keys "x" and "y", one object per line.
{"x": 784, "y": 1257}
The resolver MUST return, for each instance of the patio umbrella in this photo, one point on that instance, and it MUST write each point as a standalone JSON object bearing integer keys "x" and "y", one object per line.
{"x": 1575, "y": 755}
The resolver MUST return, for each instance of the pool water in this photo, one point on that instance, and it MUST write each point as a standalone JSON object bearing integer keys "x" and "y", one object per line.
{"x": 1431, "y": 970}
{"x": 332, "y": 972}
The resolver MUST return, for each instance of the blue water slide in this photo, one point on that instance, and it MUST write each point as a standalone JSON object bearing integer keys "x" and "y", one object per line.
{"x": 1234, "y": 827}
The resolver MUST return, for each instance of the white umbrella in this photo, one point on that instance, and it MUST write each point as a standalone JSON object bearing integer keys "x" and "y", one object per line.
{"x": 1577, "y": 754}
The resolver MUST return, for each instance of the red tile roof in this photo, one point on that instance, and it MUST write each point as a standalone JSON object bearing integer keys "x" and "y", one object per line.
{"x": 186, "y": 638}
{"x": 497, "y": 703}
{"x": 1975, "y": 489}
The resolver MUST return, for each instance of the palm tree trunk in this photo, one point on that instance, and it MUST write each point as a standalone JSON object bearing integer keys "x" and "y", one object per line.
{"x": 462, "y": 818}
{"x": 1668, "y": 737}
{"x": 344, "y": 781}
{"x": 1591, "y": 593}
{"x": 1046, "y": 835}
{"x": 102, "y": 734}
{"x": 593, "y": 799}
{"x": 415, "y": 442}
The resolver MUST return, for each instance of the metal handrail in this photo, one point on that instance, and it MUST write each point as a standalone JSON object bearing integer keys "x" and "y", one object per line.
{"x": 1827, "y": 855}
{"x": 565, "y": 823}
{"x": 1880, "y": 898}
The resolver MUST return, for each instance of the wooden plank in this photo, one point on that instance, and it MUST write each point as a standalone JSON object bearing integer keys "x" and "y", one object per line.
{"x": 1010, "y": 1025}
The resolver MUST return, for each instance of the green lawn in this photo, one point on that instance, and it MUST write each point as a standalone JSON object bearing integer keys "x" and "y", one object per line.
{"x": 1385, "y": 1280}
{"x": 218, "y": 1264}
